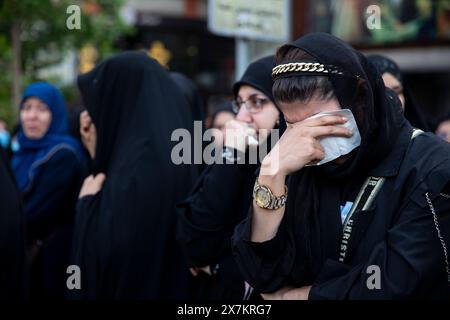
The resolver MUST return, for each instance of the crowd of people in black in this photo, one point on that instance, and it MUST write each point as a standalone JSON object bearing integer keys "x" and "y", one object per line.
{"x": 351, "y": 179}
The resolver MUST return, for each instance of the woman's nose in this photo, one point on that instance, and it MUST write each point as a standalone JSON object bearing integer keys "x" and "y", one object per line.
{"x": 31, "y": 114}
{"x": 243, "y": 115}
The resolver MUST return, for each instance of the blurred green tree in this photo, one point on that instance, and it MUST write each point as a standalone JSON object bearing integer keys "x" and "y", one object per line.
{"x": 35, "y": 34}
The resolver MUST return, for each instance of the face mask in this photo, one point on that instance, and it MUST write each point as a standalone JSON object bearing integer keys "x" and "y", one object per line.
{"x": 4, "y": 138}
{"x": 336, "y": 147}
{"x": 15, "y": 146}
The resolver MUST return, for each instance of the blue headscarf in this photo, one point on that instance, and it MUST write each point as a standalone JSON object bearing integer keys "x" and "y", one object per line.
{"x": 32, "y": 153}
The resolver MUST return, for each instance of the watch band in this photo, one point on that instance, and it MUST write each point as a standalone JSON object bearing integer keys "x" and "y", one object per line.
{"x": 278, "y": 202}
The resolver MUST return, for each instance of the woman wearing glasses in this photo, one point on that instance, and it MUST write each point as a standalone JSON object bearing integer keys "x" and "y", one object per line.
{"x": 223, "y": 193}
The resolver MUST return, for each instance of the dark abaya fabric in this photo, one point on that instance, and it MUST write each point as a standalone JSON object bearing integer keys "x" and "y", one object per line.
{"x": 195, "y": 118}
{"x": 192, "y": 95}
{"x": 12, "y": 237}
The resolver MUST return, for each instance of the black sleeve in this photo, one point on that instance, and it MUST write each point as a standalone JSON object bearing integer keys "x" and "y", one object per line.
{"x": 52, "y": 191}
{"x": 208, "y": 216}
{"x": 264, "y": 265}
{"x": 411, "y": 262}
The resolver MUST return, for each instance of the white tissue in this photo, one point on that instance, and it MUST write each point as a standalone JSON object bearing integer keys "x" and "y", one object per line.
{"x": 336, "y": 147}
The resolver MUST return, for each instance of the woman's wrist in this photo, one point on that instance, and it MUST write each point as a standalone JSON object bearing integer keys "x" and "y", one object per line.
{"x": 272, "y": 167}
{"x": 275, "y": 180}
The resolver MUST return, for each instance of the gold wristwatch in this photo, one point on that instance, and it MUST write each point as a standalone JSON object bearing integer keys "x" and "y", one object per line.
{"x": 265, "y": 198}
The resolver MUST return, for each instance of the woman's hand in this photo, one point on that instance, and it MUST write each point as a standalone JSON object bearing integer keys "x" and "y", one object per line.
{"x": 288, "y": 293}
{"x": 237, "y": 135}
{"x": 300, "y": 145}
{"x": 297, "y": 293}
{"x": 196, "y": 270}
{"x": 277, "y": 295}
{"x": 92, "y": 185}
{"x": 88, "y": 133}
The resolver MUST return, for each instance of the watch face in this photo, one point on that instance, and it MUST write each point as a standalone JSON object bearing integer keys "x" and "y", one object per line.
{"x": 262, "y": 197}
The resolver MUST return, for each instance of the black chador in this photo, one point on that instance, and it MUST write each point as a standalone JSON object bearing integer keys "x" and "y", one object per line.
{"x": 125, "y": 235}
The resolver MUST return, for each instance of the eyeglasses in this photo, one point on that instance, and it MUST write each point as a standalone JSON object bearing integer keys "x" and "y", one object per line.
{"x": 253, "y": 104}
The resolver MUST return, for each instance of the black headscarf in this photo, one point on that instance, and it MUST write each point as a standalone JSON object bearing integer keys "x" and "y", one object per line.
{"x": 135, "y": 107}
{"x": 259, "y": 76}
{"x": 317, "y": 191}
{"x": 413, "y": 112}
